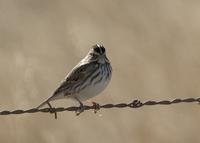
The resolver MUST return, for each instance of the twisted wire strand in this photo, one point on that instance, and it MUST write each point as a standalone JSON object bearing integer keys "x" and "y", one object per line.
{"x": 133, "y": 104}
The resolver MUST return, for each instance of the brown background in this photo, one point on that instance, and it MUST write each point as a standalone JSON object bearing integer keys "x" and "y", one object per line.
{"x": 154, "y": 49}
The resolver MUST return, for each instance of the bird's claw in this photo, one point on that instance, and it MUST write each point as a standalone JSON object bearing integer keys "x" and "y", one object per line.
{"x": 96, "y": 107}
{"x": 52, "y": 110}
{"x": 79, "y": 110}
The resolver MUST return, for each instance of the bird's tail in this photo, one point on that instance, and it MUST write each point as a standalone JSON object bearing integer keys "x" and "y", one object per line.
{"x": 45, "y": 102}
{"x": 42, "y": 104}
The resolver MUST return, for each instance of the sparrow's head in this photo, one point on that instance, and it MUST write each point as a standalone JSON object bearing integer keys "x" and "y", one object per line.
{"x": 98, "y": 52}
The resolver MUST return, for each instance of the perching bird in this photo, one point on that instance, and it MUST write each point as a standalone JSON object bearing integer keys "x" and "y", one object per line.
{"x": 86, "y": 80}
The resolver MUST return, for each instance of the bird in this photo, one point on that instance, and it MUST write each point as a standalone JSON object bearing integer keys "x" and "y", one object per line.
{"x": 86, "y": 80}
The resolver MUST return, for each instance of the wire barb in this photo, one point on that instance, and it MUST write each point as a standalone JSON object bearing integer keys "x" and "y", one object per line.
{"x": 133, "y": 104}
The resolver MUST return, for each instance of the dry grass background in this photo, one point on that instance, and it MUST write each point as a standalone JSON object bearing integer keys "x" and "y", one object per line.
{"x": 154, "y": 49}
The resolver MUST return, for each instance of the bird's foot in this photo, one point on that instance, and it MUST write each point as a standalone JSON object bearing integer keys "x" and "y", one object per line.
{"x": 96, "y": 107}
{"x": 80, "y": 109}
{"x": 52, "y": 110}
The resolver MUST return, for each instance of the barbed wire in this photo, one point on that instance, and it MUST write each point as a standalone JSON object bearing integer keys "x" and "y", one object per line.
{"x": 133, "y": 104}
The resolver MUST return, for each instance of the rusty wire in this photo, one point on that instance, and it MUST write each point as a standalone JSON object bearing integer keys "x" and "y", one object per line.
{"x": 133, "y": 104}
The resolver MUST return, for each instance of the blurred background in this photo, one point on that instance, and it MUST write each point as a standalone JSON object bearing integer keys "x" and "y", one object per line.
{"x": 154, "y": 49}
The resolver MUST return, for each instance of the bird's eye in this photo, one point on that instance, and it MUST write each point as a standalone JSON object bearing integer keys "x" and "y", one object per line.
{"x": 103, "y": 49}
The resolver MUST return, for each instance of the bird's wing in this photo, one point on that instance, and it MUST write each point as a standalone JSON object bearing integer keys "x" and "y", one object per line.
{"x": 78, "y": 74}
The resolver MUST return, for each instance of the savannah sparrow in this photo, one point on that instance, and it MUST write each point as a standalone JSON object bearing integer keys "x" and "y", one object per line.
{"x": 86, "y": 80}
